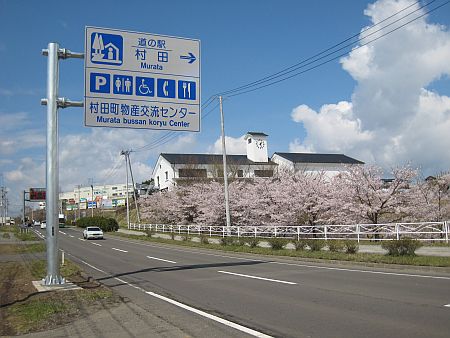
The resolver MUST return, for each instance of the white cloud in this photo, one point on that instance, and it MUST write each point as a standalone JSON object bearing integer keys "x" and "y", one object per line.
{"x": 236, "y": 146}
{"x": 392, "y": 118}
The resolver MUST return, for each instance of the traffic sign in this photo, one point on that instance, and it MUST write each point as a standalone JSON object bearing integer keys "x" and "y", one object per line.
{"x": 141, "y": 80}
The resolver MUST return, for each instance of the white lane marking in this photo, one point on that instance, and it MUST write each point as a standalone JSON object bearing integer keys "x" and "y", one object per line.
{"x": 256, "y": 277}
{"x": 363, "y": 271}
{"x": 62, "y": 232}
{"x": 81, "y": 239}
{"x": 96, "y": 244}
{"x": 281, "y": 263}
{"x": 119, "y": 250}
{"x": 210, "y": 316}
{"x": 71, "y": 236}
{"x": 160, "y": 259}
{"x": 233, "y": 325}
{"x": 447, "y": 305}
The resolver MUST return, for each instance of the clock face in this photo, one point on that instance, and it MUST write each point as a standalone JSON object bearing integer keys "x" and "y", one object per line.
{"x": 260, "y": 144}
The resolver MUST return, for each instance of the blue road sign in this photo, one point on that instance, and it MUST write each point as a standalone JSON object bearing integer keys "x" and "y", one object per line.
{"x": 141, "y": 80}
{"x": 106, "y": 48}
{"x": 145, "y": 86}
{"x": 100, "y": 83}
{"x": 123, "y": 84}
{"x": 166, "y": 88}
{"x": 186, "y": 90}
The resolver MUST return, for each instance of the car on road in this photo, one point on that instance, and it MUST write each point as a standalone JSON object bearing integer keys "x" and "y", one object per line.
{"x": 93, "y": 232}
{"x": 43, "y": 225}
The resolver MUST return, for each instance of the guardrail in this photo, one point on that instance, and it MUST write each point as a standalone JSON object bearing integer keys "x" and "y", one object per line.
{"x": 424, "y": 231}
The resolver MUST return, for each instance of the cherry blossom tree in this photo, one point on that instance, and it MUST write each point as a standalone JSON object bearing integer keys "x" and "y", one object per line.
{"x": 365, "y": 195}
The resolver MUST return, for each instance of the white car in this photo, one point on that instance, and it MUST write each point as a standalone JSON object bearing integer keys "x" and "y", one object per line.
{"x": 43, "y": 225}
{"x": 93, "y": 232}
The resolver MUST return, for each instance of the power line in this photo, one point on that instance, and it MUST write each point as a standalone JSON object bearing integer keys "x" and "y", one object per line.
{"x": 286, "y": 73}
{"x": 340, "y": 55}
{"x": 323, "y": 54}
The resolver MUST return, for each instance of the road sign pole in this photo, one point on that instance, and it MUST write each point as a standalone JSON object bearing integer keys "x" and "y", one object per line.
{"x": 225, "y": 171}
{"x": 52, "y": 171}
{"x": 53, "y": 102}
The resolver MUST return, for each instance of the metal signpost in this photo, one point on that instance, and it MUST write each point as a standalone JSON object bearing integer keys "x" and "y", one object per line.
{"x": 141, "y": 80}
{"x": 53, "y": 102}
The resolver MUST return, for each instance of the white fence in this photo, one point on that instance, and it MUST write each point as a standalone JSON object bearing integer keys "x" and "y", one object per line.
{"x": 426, "y": 231}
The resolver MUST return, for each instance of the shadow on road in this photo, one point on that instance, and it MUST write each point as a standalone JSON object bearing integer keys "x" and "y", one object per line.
{"x": 180, "y": 268}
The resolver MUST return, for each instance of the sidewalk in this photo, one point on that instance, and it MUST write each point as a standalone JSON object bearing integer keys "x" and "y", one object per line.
{"x": 125, "y": 320}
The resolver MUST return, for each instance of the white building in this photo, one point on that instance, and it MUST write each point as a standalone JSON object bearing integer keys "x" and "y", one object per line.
{"x": 173, "y": 169}
{"x": 331, "y": 164}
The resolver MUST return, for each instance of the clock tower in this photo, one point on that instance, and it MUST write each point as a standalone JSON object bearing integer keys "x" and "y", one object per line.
{"x": 257, "y": 147}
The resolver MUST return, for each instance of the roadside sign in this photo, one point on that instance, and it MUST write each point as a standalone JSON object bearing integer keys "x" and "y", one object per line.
{"x": 37, "y": 194}
{"x": 141, "y": 80}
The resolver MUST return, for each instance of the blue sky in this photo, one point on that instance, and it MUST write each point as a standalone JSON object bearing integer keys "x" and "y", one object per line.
{"x": 333, "y": 108}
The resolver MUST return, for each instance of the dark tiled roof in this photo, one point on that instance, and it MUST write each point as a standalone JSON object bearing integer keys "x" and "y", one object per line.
{"x": 257, "y": 133}
{"x": 318, "y": 158}
{"x": 210, "y": 159}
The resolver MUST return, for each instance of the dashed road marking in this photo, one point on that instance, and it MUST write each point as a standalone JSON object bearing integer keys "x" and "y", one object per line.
{"x": 96, "y": 244}
{"x": 160, "y": 259}
{"x": 256, "y": 277}
{"x": 81, "y": 239}
{"x": 119, "y": 250}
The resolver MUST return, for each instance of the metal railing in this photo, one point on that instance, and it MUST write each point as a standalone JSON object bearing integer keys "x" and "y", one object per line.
{"x": 424, "y": 231}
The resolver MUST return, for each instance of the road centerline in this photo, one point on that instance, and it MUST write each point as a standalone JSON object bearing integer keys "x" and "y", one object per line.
{"x": 160, "y": 259}
{"x": 96, "y": 244}
{"x": 260, "y": 278}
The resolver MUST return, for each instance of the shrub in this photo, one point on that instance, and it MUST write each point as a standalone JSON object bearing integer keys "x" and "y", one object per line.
{"x": 277, "y": 243}
{"x": 106, "y": 224}
{"x": 252, "y": 242}
{"x": 351, "y": 247}
{"x": 335, "y": 245}
{"x": 150, "y": 232}
{"x": 226, "y": 241}
{"x": 299, "y": 245}
{"x": 316, "y": 244}
{"x": 239, "y": 241}
{"x": 204, "y": 239}
{"x": 186, "y": 237}
{"x": 401, "y": 247}
{"x": 172, "y": 235}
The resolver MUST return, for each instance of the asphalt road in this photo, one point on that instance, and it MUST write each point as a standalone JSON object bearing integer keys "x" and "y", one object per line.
{"x": 259, "y": 296}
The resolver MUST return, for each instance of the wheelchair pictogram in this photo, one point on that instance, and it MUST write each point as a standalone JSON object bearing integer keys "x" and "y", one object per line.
{"x": 145, "y": 86}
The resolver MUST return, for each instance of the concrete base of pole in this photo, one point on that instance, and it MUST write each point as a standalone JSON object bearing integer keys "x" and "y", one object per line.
{"x": 53, "y": 280}
{"x": 57, "y": 287}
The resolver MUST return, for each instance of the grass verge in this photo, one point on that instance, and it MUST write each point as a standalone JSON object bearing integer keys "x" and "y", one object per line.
{"x": 433, "y": 261}
{"x": 23, "y": 310}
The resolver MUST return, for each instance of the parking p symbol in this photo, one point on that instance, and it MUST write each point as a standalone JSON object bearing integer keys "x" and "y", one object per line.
{"x": 100, "y": 83}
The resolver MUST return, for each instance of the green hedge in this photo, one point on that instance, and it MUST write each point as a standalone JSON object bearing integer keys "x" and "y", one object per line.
{"x": 106, "y": 224}
{"x": 401, "y": 247}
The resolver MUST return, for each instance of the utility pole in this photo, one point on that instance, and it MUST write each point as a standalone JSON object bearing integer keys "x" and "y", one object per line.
{"x": 126, "y": 153}
{"x": 225, "y": 171}
{"x": 134, "y": 189}
{"x": 79, "y": 200}
{"x": 53, "y": 102}
{"x": 91, "y": 182}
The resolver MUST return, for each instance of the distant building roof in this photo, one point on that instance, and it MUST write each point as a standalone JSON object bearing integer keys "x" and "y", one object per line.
{"x": 318, "y": 158}
{"x": 256, "y": 133}
{"x": 210, "y": 159}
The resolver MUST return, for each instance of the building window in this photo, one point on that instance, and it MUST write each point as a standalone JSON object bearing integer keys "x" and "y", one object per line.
{"x": 160, "y": 166}
{"x": 167, "y": 175}
{"x": 192, "y": 173}
{"x": 263, "y": 173}
{"x": 115, "y": 194}
{"x": 157, "y": 180}
{"x": 114, "y": 188}
{"x": 240, "y": 173}
{"x": 249, "y": 140}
